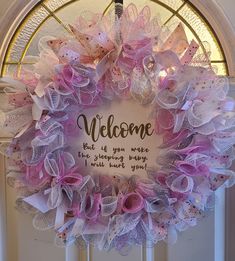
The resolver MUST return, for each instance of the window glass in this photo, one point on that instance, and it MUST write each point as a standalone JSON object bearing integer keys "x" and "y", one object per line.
{"x": 50, "y": 17}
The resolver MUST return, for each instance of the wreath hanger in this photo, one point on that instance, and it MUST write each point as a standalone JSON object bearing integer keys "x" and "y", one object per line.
{"x": 118, "y": 7}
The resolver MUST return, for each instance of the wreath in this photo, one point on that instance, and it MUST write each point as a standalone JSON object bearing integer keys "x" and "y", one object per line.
{"x": 131, "y": 57}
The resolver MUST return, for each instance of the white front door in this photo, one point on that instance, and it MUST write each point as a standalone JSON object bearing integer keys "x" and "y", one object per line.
{"x": 19, "y": 241}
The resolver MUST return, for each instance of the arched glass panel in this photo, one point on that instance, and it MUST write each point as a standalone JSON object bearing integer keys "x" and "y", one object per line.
{"x": 50, "y": 17}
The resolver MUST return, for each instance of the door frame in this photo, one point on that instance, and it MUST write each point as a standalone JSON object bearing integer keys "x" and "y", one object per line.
{"x": 226, "y": 35}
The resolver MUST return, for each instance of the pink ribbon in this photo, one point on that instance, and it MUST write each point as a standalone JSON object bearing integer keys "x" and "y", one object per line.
{"x": 72, "y": 178}
{"x": 132, "y": 203}
{"x": 191, "y": 169}
{"x": 91, "y": 206}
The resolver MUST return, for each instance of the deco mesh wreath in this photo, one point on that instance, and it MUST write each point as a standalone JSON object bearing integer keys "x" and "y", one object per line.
{"x": 130, "y": 57}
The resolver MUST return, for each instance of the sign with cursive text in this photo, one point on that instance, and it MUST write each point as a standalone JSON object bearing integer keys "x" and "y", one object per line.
{"x": 97, "y": 128}
{"x": 118, "y": 138}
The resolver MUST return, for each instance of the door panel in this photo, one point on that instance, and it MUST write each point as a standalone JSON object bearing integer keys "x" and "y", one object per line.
{"x": 135, "y": 254}
{"x": 196, "y": 243}
{"x": 24, "y": 243}
{"x": 204, "y": 242}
